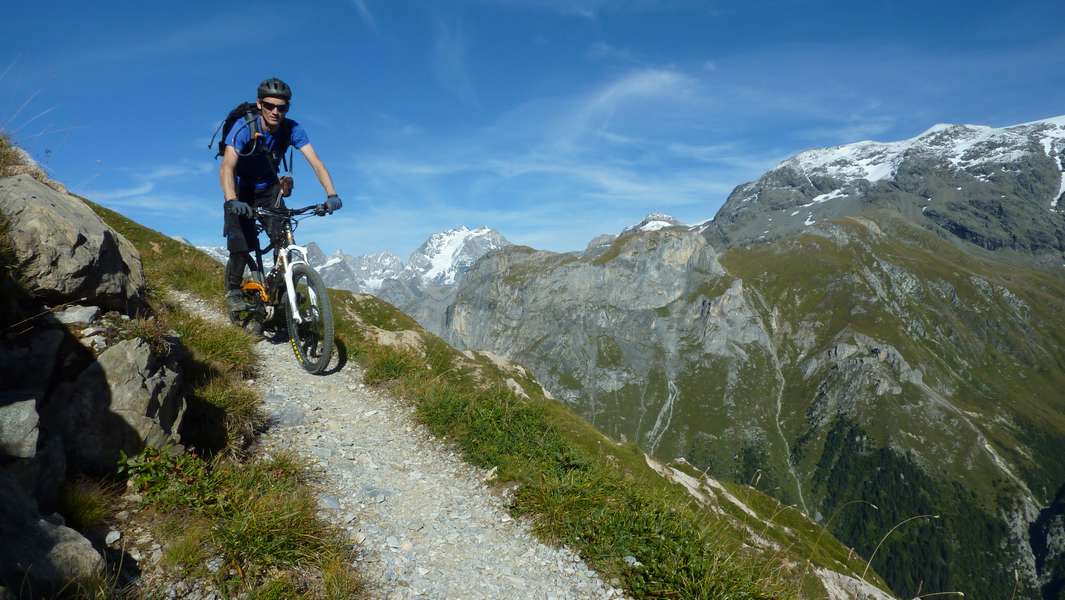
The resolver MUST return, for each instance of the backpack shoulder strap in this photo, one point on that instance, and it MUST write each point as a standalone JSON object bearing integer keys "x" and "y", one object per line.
{"x": 251, "y": 119}
{"x": 284, "y": 142}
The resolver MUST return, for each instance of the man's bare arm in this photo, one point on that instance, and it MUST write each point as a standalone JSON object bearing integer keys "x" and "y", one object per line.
{"x": 319, "y": 169}
{"x": 225, "y": 173}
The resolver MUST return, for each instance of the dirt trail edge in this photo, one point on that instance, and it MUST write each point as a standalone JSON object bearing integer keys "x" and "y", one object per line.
{"x": 426, "y": 524}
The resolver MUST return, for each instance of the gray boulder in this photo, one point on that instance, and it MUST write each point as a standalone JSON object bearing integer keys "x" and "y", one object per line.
{"x": 38, "y": 555}
{"x": 66, "y": 252}
{"x": 18, "y": 424}
{"x": 126, "y": 400}
{"x": 75, "y": 315}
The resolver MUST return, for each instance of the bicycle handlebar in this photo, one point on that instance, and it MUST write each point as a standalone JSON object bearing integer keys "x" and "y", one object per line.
{"x": 319, "y": 209}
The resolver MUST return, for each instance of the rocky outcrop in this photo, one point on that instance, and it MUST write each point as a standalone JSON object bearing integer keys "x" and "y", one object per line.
{"x": 128, "y": 399}
{"x": 1048, "y": 545}
{"x": 65, "y": 252}
{"x": 74, "y": 393}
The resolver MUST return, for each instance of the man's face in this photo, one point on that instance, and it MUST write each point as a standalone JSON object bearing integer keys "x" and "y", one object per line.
{"x": 273, "y": 110}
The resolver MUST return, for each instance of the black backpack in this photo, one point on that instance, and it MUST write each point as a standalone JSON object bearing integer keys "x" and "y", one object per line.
{"x": 248, "y": 112}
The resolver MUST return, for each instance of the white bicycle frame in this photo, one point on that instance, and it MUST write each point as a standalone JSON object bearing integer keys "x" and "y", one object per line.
{"x": 291, "y": 256}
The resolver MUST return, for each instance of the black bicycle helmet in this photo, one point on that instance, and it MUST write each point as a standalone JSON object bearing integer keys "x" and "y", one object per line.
{"x": 275, "y": 88}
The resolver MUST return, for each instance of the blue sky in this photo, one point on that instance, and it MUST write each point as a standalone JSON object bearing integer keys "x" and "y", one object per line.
{"x": 550, "y": 121}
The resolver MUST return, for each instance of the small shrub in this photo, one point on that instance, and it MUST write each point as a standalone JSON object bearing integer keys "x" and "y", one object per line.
{"x": 171, "y": 481}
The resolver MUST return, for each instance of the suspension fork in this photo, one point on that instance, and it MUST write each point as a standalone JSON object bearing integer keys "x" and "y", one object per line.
{"x": 290, "y": 287}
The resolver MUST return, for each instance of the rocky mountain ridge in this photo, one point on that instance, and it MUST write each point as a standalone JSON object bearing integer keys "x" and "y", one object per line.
{"x": 872, "y": 322}
{"x": 997, "y": 188}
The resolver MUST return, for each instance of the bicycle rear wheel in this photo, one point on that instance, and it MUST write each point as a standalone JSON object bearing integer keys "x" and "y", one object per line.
{"x": 312, "y": 336}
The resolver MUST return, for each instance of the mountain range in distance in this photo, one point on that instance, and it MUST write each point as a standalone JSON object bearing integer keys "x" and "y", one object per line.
{"x": 812, "y": 186}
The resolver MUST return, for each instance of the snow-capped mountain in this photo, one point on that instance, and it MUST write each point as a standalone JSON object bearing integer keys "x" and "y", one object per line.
{"x": 445, "y": 256}
{"x": 994, "y": 187}
{"x": 362, "y": 274}
{"x": 440, "y": 261}
{"x": 654, "y": 222}
{"x": 975, "y": 149}
{"x": 219, "y": 253}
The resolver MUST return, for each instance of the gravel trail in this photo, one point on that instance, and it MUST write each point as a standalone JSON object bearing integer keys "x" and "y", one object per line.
{"x": 426, "y": 523}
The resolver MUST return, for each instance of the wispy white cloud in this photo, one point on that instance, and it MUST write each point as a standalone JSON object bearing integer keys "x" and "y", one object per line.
{"x": 449, "y": 61}
{"x": 178, "y": 170}
{"x": 152, "y": 187}
{"x": 119, "y": 193}
{"x": 552, "y": 165}
{"x": 168, "y": 204}
{"x": 365, "y": 14}
{"x": 9, "y": 66}
{"x": 555, "y": 170}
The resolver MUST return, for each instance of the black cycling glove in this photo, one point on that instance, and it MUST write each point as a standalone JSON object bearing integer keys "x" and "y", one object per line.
{"x": 241, "y": 209}
{"x": 333, "y": 203}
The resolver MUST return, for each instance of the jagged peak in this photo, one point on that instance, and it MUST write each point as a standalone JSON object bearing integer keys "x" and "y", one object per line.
{"x": 448, "y": 253}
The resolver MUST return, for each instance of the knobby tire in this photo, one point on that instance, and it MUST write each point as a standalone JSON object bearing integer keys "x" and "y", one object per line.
{"x": 312, "y": 340}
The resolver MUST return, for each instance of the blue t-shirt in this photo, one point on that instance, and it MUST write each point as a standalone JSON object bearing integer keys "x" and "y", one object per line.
{"x": 256, "y": 168}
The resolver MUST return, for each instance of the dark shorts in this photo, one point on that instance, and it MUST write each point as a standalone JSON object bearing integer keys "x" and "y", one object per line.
{"x": 240, "y": 231}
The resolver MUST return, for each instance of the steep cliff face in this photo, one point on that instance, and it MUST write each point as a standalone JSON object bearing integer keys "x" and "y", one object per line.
{"x": 878, "y": 323}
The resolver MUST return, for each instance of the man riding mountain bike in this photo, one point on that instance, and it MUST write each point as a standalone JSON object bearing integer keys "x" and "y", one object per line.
{"x": 252, "y": 155}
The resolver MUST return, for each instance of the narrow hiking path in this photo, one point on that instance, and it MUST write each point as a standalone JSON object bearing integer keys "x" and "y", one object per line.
{"x": 427, "y": 524}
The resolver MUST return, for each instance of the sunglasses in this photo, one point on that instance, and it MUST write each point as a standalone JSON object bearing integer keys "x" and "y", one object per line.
{"x": 271, "y": 106}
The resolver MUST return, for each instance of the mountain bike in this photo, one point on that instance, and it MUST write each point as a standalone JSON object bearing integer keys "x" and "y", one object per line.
{"x": 292, "y": 287}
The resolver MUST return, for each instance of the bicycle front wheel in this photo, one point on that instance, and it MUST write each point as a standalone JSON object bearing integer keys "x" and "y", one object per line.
{"x": 311, "y": 335}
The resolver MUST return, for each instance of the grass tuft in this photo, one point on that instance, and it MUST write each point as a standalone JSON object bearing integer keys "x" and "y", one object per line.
{"x": 10, "y": 156}
{"x": 86, "y": 503}
{"x": 155, "y": 332}
{"x": 389, "y": 364}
